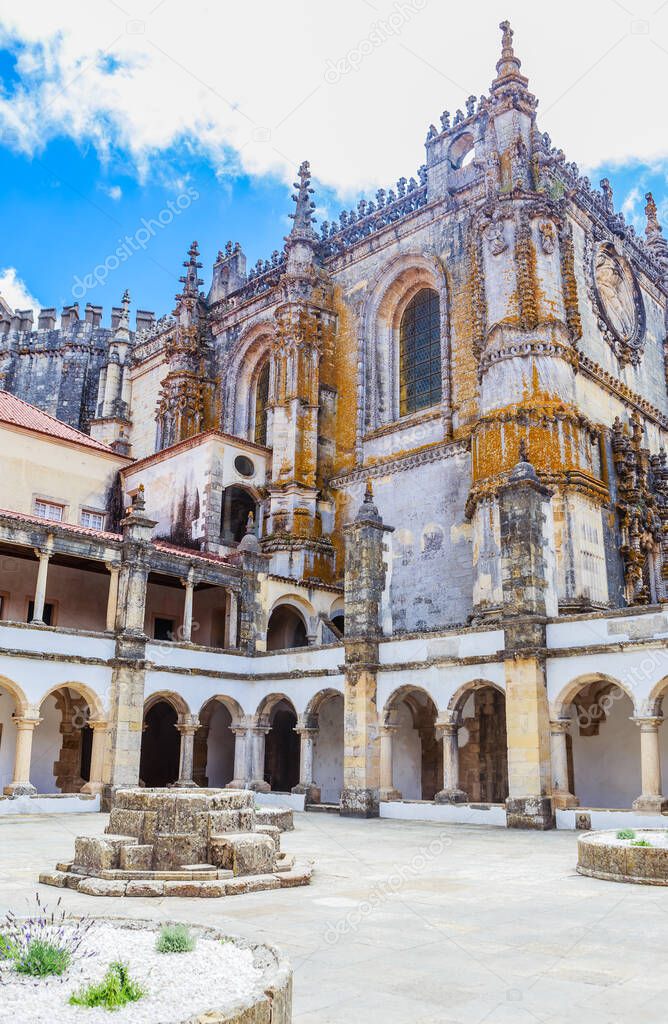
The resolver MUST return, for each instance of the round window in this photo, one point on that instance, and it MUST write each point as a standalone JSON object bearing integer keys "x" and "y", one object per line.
{"x": 244, "y": 466}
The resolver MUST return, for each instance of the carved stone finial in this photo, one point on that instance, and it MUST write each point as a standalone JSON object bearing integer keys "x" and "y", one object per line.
{"x": 250, "y": 522}
{"x": 303, "y": 215}
{"x": 368, "y": 491}
{"x": 651, "y": 212}
{"x": 606, "y": 189}
{"x": 508, "y": 67}
{"x": 138, "y": 504}
{"x": 523, "y": 454}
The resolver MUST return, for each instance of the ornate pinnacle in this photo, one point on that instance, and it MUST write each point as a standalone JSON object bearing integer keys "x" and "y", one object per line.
{"x": 122, "y": 332}
{"x": 368, "y": 491}
{"x": 303, "y": 215}
{"x": 523, "y": 454}
{"x": 190, "y": 280}
{"x": 508, "y": 67}
{"x": 655, "y": 241}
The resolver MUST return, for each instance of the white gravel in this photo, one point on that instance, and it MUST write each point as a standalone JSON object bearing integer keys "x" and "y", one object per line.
{"x": 176, "y": 985}
{"x": 657, "y": 837}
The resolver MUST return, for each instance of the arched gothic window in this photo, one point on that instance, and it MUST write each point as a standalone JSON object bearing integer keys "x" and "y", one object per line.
{"x": 420, "y": 353}
{"x": 261, "y": 400}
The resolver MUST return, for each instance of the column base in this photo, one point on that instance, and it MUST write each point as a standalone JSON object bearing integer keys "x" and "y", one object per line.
{"x": 535, "y": 812}
{"x": 259, "y": 786}
{"x": 95, "y": 788}
{"x": 184, "y": 784}
{"x": 359, "y": 803}
{"x": 237, "y": 784}
{"x": 19, "y": 789}
{"x": 389, "y": 794}
{"x": 451, "y": 796}
{"x": 311, "y": 792}
{"x": 562, "y": 801}
{"x": 651, "y": 804}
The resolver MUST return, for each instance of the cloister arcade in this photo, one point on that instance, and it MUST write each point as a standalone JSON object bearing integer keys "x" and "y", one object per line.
{"x": 607, "y": 751}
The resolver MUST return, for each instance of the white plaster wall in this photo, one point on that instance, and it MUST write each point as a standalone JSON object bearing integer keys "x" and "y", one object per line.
{"x": 7, "y": 738}
{"x": 46, "y": 744}
{"x": 328, "y": 751}
{"x": 407, "y": 756}
{"x": 220, "y": 748}
{"x": 607, "y": 766}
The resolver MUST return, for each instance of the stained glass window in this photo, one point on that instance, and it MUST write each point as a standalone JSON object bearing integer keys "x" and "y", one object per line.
{"x": 420, "y": 353}
{"x": 261, "y": 399}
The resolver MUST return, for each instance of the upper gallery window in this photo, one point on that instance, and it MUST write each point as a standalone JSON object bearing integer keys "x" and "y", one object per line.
{"x": 49, "y": 510}
{"x": 261, "y": 401}
{"x": 420, "y": 353}
{"x": 92, "y": 519}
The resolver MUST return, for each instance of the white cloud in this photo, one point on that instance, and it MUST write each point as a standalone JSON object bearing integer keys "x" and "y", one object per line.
{"x": 353, "y": 87}
{"x": 15, "y": 292}
{"x": 114, "y": 192}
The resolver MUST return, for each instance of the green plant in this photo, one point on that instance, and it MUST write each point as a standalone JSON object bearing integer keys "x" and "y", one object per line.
{"x": 175, "y": 938}
{"x": 41, "y": 958}
{"x": 7, "y": 947}
{"x": 626, "y": 833}
{"x": 115, "y": 990}
{"x": 640, "y": 842}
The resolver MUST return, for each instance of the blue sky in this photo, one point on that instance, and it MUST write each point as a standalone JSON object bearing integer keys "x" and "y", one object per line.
{"x": 109, "y": 113}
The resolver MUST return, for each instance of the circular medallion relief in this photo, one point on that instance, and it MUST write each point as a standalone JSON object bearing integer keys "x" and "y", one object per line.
{"x": 619, "y": 301}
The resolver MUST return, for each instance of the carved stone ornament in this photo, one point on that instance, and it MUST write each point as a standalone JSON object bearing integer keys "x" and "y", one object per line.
{"x": 617, "y": 300}
{"x": 548, "y": 236}
{"x": 496, "y": 236}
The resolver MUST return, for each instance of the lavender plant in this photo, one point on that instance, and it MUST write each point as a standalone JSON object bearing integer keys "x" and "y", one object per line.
{"x": 46, "y": 941}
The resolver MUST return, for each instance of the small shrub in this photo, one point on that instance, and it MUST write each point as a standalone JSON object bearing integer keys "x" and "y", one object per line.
{"x": 175, "y": 938}
{"x": 41, "y": 958}
{"x": 115, "y": 990}
{"x": 640, "y": 842}
{"x": 626, "y": 833}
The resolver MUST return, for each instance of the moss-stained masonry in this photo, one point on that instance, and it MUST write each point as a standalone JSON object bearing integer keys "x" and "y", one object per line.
{"x": 552, "y": 340}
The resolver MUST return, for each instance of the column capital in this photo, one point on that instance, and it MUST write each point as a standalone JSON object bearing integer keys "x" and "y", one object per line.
{"x": 26, "y": 722}
{"x": 447, "y": 728}
{"x": 46, "y": 550}
{"x": 648, "y": 723}
{"x": 112, "y": 567}
{"x": 560, "y": 725}
{"x": 190, "y": 580}
{"x": 187, "y": 724}
{"x": 97, "y": 723}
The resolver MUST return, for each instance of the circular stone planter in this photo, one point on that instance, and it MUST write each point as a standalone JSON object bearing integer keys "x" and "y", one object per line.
{"x": 233, "y": 982}
{"x": 603, "y": 855}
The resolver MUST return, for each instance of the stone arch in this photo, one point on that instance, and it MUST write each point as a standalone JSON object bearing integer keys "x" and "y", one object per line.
{"x": 214, "y": 741}
{"x": 21, "y": 703}
{"x": 460, "y": 148}
{"x": 97, "y": 712}
{"x": 325, "y": 713}
{"x": 252, "y": 349}
{"x": 567, "y": 694}
{"x": 393, "y": 288}
{"x": 287, "y": 625}
{"x": 321, "y": 697}
{"x": 161, "y": 741}
{"x": 276, "y": 713}
{"x": 478, "y": 709}
{"x": 410, "y": 714}
{"x": 654, "y": 703}
{"x": 238, "y": 501}
{"x": 602, "y": 743}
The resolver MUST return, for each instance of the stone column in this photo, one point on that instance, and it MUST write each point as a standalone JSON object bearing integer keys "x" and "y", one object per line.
{"x": 364, "y": 584}
{"x": 187, "y": 725}
{"x": 20, "y": 784}
{"x": 242, "y": 750}
{"x": 187, "y": 625}
{"x": 232, "y": 618}
{"x": 524, "y": 512}
{"x": 112, "y": 598}
{"x": 451, "y": 793}
{"x": 307, "y": 730}
{"x": 126, "y": 696}
{"x": 94, "y": 784}
{"x": 561, "y": 795}
{"x": 257, "y": 734}
{"x": 387, "y": 790}
{"x": 44, "y": 554}
{"x": 651, "y": 800}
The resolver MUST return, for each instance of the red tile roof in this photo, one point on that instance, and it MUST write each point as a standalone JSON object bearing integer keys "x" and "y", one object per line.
{"x": 21, "y": 414}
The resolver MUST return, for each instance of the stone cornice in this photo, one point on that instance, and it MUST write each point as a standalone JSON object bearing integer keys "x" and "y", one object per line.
{"x": 401, "y": 463}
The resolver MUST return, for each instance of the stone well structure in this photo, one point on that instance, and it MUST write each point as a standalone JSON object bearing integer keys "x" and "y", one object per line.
{"x": 180, "y": 842}
{"x": 606, "y": 855}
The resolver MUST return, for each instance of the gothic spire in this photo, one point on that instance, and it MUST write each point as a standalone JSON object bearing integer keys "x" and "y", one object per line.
{"x": 122, "y": 332}
{"x": 654, "y": 233}
{"x": 303, "y": 215}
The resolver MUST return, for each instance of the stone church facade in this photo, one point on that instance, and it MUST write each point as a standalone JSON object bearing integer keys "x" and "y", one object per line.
{"x": 384, "y": 518}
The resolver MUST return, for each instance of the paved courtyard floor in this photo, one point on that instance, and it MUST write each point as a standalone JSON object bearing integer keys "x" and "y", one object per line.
{"x": 416, "y": 923}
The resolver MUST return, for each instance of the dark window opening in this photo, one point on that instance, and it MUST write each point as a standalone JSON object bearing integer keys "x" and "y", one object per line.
{"x": 285, "y": 629}
{"x": 281, "y": 759}
{"x": 237, "y": 506}
{"x": 163, "y": 629}
{"x": 244, "y": 465}
{"x": 338, "y": 620}
{"x": 420, "y": 353}
{"x": 160, "y": 746}
{"x": 86, "y": 752}
{"x": 261, "y": 405}
{"x": 47, "y": 615}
